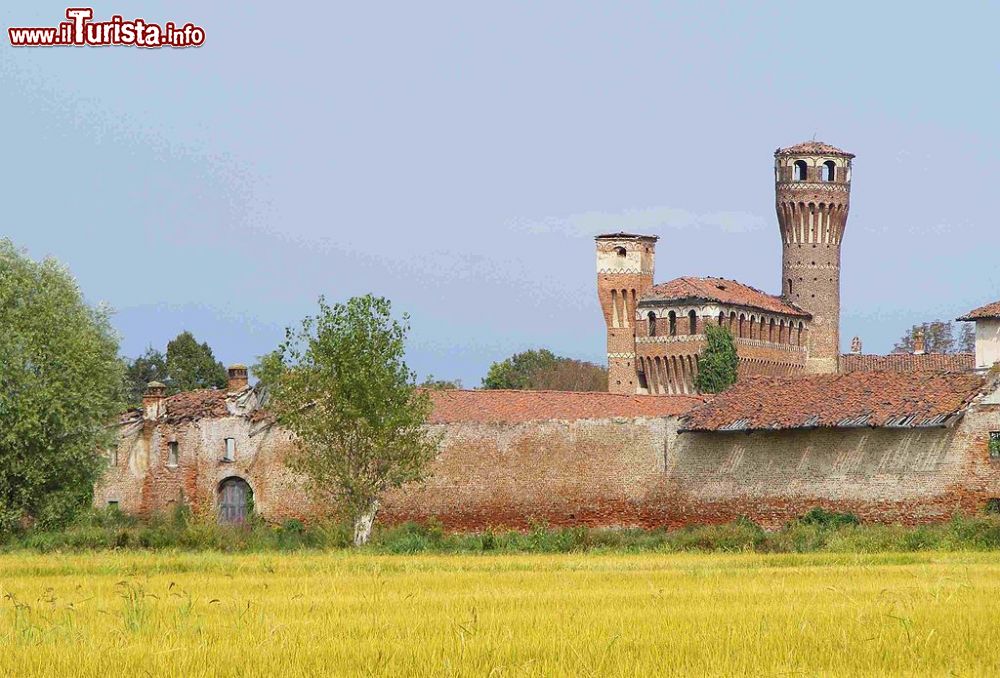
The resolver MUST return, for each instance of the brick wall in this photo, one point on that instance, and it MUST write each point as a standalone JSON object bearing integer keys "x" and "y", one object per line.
{"x": 598, "y": 472}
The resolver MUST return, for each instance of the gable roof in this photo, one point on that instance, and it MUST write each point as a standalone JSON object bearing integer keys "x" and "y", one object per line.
{"x": 509, "y": 406}
{"x": 723, "y": 291}
{"x": 908, "y": 362}
{"x": 813, "y": 148}
{"x": 856, "y": 399}
{"x": 987, "y": 311}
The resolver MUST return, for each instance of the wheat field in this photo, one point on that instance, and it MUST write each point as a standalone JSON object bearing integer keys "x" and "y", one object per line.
{"x": 340, "y": 613}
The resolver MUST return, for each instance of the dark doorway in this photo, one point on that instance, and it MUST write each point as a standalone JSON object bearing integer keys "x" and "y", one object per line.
{"x": 235, "y": 497}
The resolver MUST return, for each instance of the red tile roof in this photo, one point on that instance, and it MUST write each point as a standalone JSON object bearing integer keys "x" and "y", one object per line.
{"x": 908, "y": 362}
{"x": 838, "y": 401}
{"x": 987, "y": 311}
{"x": 813, "y": 148}
{"x": 723, "y": 291}
{"x": 500, "y": 406}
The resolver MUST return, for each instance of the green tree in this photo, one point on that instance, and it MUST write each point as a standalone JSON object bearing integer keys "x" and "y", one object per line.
{"x": 150, "y": 366}
{"x": 938, "y": 338}
{"x": 543, "y": 370}
{"x": 718, "y": 362}
{"x": 967, "y": 339}
{"x": 340, "y": 384}
{"x": 440, "y": 384}
{"x": 61, "y": 390}
{"x": 191, "y": 365}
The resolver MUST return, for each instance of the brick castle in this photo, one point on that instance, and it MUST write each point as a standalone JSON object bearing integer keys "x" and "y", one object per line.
{"x": 898, "y": 438}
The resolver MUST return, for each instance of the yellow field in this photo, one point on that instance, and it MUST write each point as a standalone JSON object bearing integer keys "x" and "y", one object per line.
{"x": 575, "y": 615}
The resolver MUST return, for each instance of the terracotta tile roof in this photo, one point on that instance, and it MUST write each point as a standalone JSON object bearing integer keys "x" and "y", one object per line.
{"x": 813, "y": 148}
{"x": 500, "y": 406}
{"x": 723, "y": 291}
{"x": 908, "y": 362}
{"x": 838, "y": 401}
{"x": 987, "y": 311}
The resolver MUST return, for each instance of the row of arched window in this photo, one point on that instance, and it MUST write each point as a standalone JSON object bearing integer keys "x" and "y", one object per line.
{"x": 741, "y": 326}
{"x": 827, "y": 171}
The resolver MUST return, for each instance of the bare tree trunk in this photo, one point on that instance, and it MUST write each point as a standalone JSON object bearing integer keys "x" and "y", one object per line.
{"x": 363, "y": 524}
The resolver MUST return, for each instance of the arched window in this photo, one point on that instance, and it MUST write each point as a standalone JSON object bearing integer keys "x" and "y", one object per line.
{"x": 620, "y": 251}
{"x": 672, "y": 322}
{"x": 782, "y": 335}
{"x": 799, "y": 170}
{"x": 235, "y": 500}
{"x": 801, "y": 327}
{"x": 692, "y": 322}
{"x": 829, "y": 170}
{"x": 732, "y": 321}
{"x": 770, "y": 331}
{"x": 752, "y": 330}
{"x": 789, "y": 287}
{"x": 722, "y": 318}
{"x": 742, "y": 322}
{"x": 651, "y": 317}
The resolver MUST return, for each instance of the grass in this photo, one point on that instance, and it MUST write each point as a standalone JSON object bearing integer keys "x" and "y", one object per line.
{"x": 816, "y": 531}
{"x": 344, "y": 613}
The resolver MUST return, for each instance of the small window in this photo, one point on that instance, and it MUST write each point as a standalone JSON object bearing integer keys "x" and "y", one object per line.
{"x": 230, "y": 449}
{"x": 113, "y": 456}
{"x": 620, "y": 251}
{"x": 994, "y": 444}
{"x": 172, "y": 454}
{"x": 692, "y": 322}
{"x": 799, "y": 170}
{"x": 672, "y": 321}
{"x": 829, "y": 170}
{"x": 113, "y": 504}
{"x": 651, "y": 317}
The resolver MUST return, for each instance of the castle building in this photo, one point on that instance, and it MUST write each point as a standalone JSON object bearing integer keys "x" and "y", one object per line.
{"x": 910, "y": 438}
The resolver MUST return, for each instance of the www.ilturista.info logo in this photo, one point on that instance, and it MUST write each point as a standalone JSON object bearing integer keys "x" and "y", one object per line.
{"x": 81, "y": 31}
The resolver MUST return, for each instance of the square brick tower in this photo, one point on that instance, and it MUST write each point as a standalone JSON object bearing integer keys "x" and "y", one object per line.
{"x": 624, "y": 273}
{"x": 812, "y": 188}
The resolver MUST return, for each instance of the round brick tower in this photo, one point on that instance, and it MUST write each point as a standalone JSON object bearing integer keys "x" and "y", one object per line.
{"x": 812, "y": 190}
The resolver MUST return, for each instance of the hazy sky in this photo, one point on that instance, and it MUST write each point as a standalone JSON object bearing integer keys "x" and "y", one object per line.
{"x": 458, "y": 158}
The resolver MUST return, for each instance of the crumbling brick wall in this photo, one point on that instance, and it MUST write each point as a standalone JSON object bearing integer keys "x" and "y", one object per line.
{"x": 596, "y": 472}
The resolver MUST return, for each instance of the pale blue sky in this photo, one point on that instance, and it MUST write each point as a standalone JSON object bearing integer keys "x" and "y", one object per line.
{"x": 458, "y": 158}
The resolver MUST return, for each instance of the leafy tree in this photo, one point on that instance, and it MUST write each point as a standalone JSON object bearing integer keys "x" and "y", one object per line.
{"x": 543, "y": 370}
{"x": 967, "y": 339}
{"x": 340, "y": 384}
{"x": 61, "y": 390}
{"x": 718, "y": 361}
{"x": 191, "y": 365}
{"x": 440, "y": 384}
{"x": 938, "y": 338}
{"x": 150, "y": 366}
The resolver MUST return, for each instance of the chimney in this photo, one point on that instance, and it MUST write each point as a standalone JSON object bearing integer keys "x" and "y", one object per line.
{"x": 918, "y": 342}
{"x": 152, "y": 400}
{"x": 856, "y": 345}
{"x": 237, "y": 377}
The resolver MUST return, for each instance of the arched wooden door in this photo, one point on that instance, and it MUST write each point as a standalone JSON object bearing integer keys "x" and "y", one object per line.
{"x": 234, "y": 501}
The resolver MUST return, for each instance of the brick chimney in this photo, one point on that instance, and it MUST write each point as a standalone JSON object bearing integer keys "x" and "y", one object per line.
{"x": 856, "y": 345}
{"x": 918, "y": 343}
{"x": 152, "y": 400}
{"x": 237, "y": 378}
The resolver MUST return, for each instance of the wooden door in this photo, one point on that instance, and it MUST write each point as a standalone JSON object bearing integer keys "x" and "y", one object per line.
{"x": 234, "y": 494}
